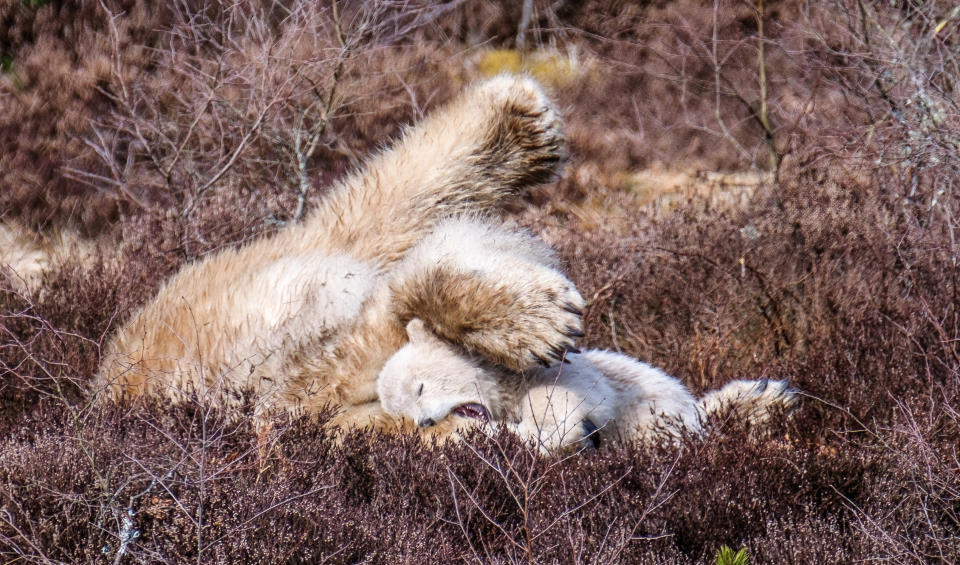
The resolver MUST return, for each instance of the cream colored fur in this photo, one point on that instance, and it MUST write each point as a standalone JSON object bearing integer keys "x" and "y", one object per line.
{"x": 598, "y": 392}
{"x": 307, "y": 317}
{"x": 25, "y": 255}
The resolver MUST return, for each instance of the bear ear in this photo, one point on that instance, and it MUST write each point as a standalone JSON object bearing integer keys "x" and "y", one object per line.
{"x": 417, "y": 331}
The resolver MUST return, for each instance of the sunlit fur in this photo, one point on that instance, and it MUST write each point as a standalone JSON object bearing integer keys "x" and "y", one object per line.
{"x": 307, "y": 317}
{"x": 559, "y": 406}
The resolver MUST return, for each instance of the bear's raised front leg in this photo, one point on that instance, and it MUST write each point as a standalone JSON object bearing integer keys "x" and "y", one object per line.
{"x": 494, "y": 291}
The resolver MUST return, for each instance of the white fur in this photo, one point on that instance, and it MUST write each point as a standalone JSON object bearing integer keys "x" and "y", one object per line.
{"x": 304, "y": 318}
{"x": 559, "y": 406}
{"x": 749, "y": 400}
{"x": 326, "y": 290}
{"x": 25, "y": 255}
{"x": 438, "y": 382}
{"x": 478, "y": 247}
{"x": 653, "y": 400}
{"x": 560, "y": 400}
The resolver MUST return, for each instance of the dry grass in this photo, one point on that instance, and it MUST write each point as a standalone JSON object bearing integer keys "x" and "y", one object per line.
{"x": 181, "y": 130}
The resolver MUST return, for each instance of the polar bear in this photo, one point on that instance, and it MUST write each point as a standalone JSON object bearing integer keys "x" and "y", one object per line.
{"x": 592, "y": 396}
{"x": 306, "y": 318}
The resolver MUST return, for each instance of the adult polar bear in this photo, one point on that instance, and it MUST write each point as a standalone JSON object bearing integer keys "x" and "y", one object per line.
{"x": 308, "y": 316}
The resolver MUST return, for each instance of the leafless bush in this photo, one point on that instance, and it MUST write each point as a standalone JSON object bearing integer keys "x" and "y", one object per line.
{"x": 135, "y": 106}
{"x": 240, "y": 101}
{"x": 541, "y": 505}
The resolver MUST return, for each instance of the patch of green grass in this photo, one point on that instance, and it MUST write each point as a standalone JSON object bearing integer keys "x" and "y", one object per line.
{"x": 727, "y": 556}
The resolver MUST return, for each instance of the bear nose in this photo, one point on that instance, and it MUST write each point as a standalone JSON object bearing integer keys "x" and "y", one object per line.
{"x": 426, "y": 423}
{"x": 591, "y": 434}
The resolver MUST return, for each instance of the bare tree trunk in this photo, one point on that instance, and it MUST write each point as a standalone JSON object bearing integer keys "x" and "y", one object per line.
{"x": 525, "y": 17}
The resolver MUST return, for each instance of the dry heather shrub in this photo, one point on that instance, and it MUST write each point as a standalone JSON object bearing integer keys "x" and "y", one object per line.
{"x": 50, "y": 87}
{"x": 837, "y": 274}
{"x": 245, "y": 101}
{"x": 195, "y": 106}
{"x": 181, "y": 486}
{"x": 841, "y": 277}
{"x": 249, "y": 106}
{"x": 50, "y": 338}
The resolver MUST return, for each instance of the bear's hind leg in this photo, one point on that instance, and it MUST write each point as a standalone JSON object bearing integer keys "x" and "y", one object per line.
{"x": 496, "y": 139}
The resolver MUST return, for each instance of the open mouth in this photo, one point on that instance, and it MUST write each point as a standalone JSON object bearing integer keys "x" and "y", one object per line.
{"x": 474, "y": 411}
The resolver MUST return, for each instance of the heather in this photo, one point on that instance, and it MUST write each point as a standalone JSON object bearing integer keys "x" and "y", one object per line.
{"x": 755, "y": 190}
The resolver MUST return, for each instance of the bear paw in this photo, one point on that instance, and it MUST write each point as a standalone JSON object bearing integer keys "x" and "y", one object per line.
{"x": 546, "y": 322}
{"x": 524, "y": 143}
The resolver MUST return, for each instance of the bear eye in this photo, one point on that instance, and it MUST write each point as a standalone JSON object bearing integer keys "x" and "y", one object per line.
{"x": 420, "y": 390}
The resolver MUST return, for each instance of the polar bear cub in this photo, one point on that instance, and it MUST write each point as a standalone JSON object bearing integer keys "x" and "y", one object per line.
{"x": 594, "y": 396}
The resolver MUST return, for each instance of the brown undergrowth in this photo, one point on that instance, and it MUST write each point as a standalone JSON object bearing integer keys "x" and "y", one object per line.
{"x": 196, "y": 126}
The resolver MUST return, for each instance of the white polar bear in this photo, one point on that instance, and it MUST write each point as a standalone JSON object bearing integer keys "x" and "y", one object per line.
{"x": 593, "y": 396}
{"x": 305, "y": 318}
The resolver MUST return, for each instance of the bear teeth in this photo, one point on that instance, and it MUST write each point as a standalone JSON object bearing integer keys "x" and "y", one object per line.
{"x": 473, "y": 410}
